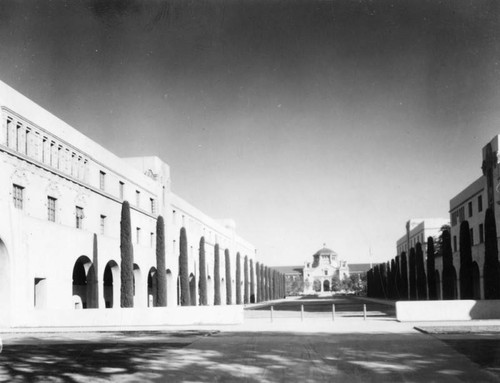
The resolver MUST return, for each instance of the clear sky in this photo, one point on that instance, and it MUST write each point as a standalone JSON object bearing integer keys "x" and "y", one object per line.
{"x": 308, "y": 122}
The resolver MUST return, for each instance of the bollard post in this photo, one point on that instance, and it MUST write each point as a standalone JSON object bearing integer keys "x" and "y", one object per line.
{"x": 302, "y": 313}
{"x": 272, "y": 308}
{"x": 364, "y": 312}
{"x": 333, "y": 312}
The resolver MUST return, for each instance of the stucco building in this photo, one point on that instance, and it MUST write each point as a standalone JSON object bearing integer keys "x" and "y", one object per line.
{"x": 58, "y": 189}
{"x": 325, "y": 266}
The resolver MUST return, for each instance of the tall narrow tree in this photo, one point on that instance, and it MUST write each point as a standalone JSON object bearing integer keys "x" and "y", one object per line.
{"x": 257, "y": 275}
{"x": 398, "y": 281}
{"x": 217, "y": 300}
{"x": 421, "y": 278}
{"x": 466, "y": 278}
{"x": 238, "y": 278}
{"x": 246, "y": 296}
{"x": 127, "y": 258}
{"x": 94, "y": 299}
{"x": 263, "y": 297}
{"x": 449, "y": 275}
{"x": 229, "y": 292}
{"x": 252, "y": 282}
{"x": 184, "y": 269}
{"x": 161, "y": 270}
{"x": 412, "y": 275}
{"x": 202, "y": 288}
{"x": 431, "y": 269}
{"x": 404, "y": 276}
{"x": 491, "y": 270}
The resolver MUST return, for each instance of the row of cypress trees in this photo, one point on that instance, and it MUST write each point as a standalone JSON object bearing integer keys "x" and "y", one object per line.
{"x": 273, "y": 282}
{"x": 407, "y": 277}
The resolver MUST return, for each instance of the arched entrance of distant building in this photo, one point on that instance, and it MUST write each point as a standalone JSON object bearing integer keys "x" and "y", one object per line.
{"x": 4, "y": 285}
{"x": 111, "y": 289}
{"x": 192, "y": 290}
{"x": 326, "y": 285}
{"x": 476, "y": 281}
{"x": 152, "y": 288}
{"x": 84, "y": 284}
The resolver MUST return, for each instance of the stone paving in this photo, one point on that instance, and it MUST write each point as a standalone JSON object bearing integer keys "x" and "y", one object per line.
{"x": 318, "y": 348}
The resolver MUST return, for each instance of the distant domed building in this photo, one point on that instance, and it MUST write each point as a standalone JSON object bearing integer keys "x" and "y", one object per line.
{"x": 318, "y": 275}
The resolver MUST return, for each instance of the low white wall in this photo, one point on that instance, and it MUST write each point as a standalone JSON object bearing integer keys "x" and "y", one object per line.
{"x": 408, "y": 311}
{"x": 153, "y": 316}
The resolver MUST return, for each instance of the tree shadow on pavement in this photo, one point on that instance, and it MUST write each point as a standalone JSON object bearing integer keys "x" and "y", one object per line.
{"x": 249, "y": 357}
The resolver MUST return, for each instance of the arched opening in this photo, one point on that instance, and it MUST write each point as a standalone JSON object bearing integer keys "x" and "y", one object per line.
{"x": 192, "y": 289}
{"x": 439, "y": 296}
{"x": 326, "y": 285}
{"x": 152, "y": 288}
{"x": 222, "y": 292}
{"x": 111, "y": 279}
{"x": 476, "y": 281}
{"x": 317, "y": 286}
{"x": 210, "y": 290}
{"x": 84, "y": 284}
{"x": 171, "y": 291}
{"x": 139, "y": 293}
{"x": 4, "y": 285}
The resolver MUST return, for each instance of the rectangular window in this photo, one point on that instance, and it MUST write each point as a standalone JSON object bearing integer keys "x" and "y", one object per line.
{"x": 103, "y": 224}
{"x": 102, "y": 177}
{"x": 471, "y": 236}
{"x": 153, "y": 205}
{"x": 18, "y": 137}
{"x": 454, "y": 243}
{"x": 51, "y": 209}
{"x": 480, "y": 203}
{"x": 17, "y": 194}
{"x": 138, "y": 235}
{"x": 469, "y": 205}
{"x": 121, "y": 187}
{"x": 481, "y": 233}
{"x": 26, "y": 142}
{"x": 7, "y": 133}
{"x": 137, "y": 198}
{"x": 79, "y": 217}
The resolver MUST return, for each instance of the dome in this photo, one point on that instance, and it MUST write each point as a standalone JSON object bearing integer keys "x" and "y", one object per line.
{"x": 325, "y": 251}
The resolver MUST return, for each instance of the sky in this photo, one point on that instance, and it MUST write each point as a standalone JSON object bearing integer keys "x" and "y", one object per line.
{"x": 307, "y": 122}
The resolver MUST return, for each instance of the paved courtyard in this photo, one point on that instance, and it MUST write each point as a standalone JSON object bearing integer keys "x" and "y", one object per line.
{"x": 288, "y": 349}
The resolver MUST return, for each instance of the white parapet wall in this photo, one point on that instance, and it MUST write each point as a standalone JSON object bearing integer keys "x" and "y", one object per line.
{"x": 453, "y": 310}
{"x": 120, "y": 317}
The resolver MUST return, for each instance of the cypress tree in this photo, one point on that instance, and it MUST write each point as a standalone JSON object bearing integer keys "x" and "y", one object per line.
{"x": 262, "y": 283}
{"x": 238, "y": 278}
{"x": 202, "y": 283}
{"x": 448, "y": 269}
{"x": 369, "y": 283}
{"x": 257, "y": 275}
{"x": 252, "y": 282}
{"x": 127, "y": 258}
{"x": 421, "y": 278}
{"x": 246, "y": 282}
{"x": 404, "y": 276}
{"x": 94, "y": 299}
{"x": 217, "y": 301}
{"x": 466, "y": 282}
{"x": 393, "y": 279}
{"x": 431, "y": 269}
{"x": 268, "y": 283}
{"x": 413, "y": 275}
{"x": 271, "y": 283}
{"x": 229, "y": 293}
{"x": 183, "y": 269}
{"x": 383, "y": 280}
{"x": 161, "y": 270}
{"x": 491, "y": 270}
{"x": 397, "y": 277}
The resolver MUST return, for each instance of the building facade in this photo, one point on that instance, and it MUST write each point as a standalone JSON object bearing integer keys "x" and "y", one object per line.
{"x": 61, "y": 200}
{"x": 417, "y": 231}
{"x": 319, "y": 275}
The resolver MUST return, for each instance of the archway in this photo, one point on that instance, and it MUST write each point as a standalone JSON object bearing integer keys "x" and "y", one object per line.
{"x": 111, "y": 288}
{"x": 210, "y": 291}
{"x": 439, "y": 296}
{"x": 476, "y": 281}
{"x": 222, "y": 292}
{"x": 192, "y": 290}
{"x": 317, "y": 285}
{"x": 326, "y": 285}
{"x": 152, "y": 288}
{"x": 139, "y": 293}
{"x": 171, "y": 291}
{"x": 84, "y": 283}
{"x": 4, "y": 285}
